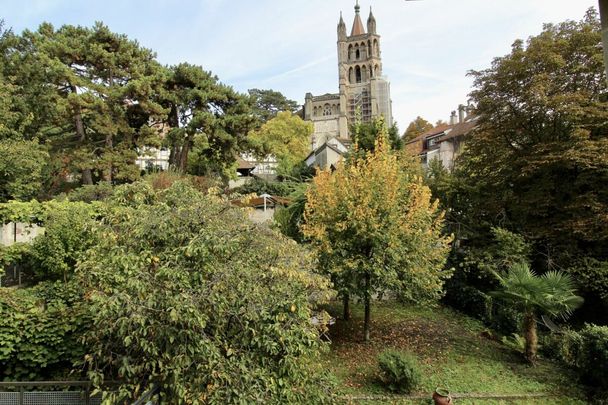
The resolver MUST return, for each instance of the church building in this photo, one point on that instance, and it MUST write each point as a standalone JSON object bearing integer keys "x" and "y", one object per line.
{"x": 362, "y": 87}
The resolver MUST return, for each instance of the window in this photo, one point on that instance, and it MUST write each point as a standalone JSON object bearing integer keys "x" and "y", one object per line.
{"x": 326, "y": 110}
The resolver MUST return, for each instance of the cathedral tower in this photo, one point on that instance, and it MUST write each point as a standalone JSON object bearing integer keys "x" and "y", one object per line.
{"x": 362, "y": 86}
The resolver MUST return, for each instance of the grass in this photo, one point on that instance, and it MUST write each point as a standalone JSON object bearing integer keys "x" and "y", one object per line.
{"x": 452, "y": 351}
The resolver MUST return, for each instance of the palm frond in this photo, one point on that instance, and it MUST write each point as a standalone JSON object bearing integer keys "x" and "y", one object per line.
{"x": 552, "y": 293}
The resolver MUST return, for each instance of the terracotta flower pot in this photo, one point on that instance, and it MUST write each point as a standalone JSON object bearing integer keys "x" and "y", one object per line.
{"x": 441, "y": 396}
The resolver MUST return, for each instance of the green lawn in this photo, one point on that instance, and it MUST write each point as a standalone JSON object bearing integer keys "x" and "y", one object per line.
{"x": 452, "y": 351}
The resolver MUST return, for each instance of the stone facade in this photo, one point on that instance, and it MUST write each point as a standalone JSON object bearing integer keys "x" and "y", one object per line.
{"x": 361, "y": 85}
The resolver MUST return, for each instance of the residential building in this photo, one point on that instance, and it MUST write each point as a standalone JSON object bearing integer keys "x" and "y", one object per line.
{"x": 444, "y": 142}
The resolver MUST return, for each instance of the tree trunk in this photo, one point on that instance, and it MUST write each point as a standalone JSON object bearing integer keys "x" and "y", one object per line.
{"x": 183, "y": 157}
{"x": 604, "y": 19}
{"x": 107, "y": 175}
{"x": 346, "y": 302}
{"x": 87, "y": 177}
{"x": 530, "y": 337}
{"x": 366, "y": 324}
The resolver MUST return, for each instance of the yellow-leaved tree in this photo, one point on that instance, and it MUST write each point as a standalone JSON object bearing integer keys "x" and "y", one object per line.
{"x": 376, "y": 230}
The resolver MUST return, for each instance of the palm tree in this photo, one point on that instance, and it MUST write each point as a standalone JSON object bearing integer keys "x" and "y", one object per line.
{"x": 553, "y": 294}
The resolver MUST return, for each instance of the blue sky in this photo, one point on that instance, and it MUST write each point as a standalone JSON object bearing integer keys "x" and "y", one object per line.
{"x": 290, "y": 45}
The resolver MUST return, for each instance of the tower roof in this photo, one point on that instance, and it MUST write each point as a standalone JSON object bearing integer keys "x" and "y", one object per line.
{"x": 357, "y": 24}
{"x": 371, "y": 16}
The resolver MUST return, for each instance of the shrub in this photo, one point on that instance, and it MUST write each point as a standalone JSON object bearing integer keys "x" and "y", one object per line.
{"x": 399, "y": 371}
{"x": 585, "y": 350}
{"x": 592, "y": 356}
{"x": 40, "y": 328}
{"x": 469, "y": 300}
{"x": 186, "y": 292}
{"x": 91, "y": 192}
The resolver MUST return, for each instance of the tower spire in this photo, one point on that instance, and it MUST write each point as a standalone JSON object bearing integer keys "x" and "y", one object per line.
{"x": 371, "y": 22}
{"x": 357, "y": 24}
{"x": 341, "y": 29}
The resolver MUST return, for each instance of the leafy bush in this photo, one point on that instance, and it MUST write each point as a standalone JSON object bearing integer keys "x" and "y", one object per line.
{"x": 399, "y": 371}
{"x": 592, "y": 356}
{"x": 186, "y": 292}
{"x": 40, "y": 329}
{"x": 469, "y": 300}
{"x": 22, "y": 169}
{"x": 91, "y": 192}
{"x": 67, "y": 234}
{"x": 585, "y": 350}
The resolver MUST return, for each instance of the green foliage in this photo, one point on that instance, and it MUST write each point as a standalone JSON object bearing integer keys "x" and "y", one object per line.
{"x": 268, "y": 103}
{"x": 184, "y": 291}
{"x": 469, "y": 300}
{"x": 15, "y": 253}
{"x": 416, "y": 127}
{"x": 592, "y": 275}
{"x": 286, "y": 137}
{"x": 91, "y": 192}
{"x": 366, "y": 134}
{"x": 399, "y": 371}
{"x": 40, "y": 329}
{"x": 89, "y": 92}
{"x": 289, "y": 220}
{"x": 585, "y": 350}
{"x": 515, "y": 342}
{"x": 553, "y": 293}
{"x": 208, "y": 121}
{"x": 536, "y": 164}
{"x": 21, "y": 169}
{"x": 68, "y": 233}
{"x": 474, "y": 278}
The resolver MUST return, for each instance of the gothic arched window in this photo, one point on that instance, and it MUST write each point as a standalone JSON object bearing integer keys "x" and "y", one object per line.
{"x": 326, "y": 110}
{"x": 358, "y": 74}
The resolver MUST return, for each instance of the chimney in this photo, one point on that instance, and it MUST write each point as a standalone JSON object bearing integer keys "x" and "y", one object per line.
{"x": 453, "y": 118}
{"x": 461, "y": 109}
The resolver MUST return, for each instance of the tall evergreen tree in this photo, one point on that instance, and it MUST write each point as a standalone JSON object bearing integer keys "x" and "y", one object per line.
{"x": 208, "y": 121}
{"x": 89, "y": 92}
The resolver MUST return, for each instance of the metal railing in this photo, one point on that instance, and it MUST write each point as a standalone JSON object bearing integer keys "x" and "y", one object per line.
{"x": 47, "y": 393}
{"x": 62, "y": 393}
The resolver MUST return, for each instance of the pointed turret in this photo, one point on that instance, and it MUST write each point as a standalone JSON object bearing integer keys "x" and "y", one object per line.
{"x": 357, "y": 24}
{"x": 371, "y": 22}
{"x": 341, "y": 29}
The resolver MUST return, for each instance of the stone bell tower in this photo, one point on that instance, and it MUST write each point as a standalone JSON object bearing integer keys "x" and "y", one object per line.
{"x": 362, "y": 86}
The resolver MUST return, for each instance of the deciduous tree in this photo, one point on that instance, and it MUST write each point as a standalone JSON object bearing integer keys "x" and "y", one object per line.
{"x": 537, "y": 165}
{"x": 287, "y": 137}
{"x": 375, "y": 228}
{"x": 417, "y": 127}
